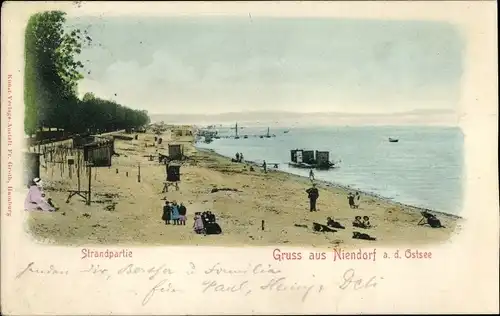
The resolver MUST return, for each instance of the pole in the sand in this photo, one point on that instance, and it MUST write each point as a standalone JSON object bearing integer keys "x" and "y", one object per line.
{"x": 90, "y": 183}
{"x": 262, "y": 224}
{"x": 139, "y": 173}
{"x": 78, "y": 171}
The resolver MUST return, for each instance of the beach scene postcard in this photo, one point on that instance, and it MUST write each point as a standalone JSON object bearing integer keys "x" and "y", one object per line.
{"x": 249, "y": 158}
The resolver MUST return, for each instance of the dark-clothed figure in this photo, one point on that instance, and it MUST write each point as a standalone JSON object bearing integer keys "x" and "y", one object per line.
{"x": 237, "y": 157}
{"x": 332, "y": 223}
{"x": 241, "y": 157}
{"x": 167, "y": 212}
{"x": 350, "y": 198}
{"x": 182, "y": 214}
{"x": 264, "y": 165}
{"x": 430, "y": 219}
{"x": 313, "y": 195}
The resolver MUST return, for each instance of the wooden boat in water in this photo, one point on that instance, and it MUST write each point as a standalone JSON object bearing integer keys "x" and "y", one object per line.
{"x": 309, "y": 159}
{"x": 393, "y": 140}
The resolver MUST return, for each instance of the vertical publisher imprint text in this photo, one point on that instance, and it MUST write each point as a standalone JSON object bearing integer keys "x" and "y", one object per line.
{"x": 9, "y": 145}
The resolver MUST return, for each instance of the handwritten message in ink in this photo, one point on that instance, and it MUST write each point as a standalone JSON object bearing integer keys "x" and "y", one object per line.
{"x": 242, "y": 281}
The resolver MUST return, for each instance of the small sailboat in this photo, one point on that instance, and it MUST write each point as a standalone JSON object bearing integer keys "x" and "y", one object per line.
{"x": 393, "y": 140}
{"x": 267, "y": 135}
{"x": 285, "y": 132}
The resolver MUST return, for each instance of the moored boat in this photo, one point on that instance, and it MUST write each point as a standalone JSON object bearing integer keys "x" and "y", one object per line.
{"x": 393, "y": 140}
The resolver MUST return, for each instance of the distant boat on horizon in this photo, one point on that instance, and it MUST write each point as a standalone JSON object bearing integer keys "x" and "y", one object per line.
{"x": 393, "y": 140}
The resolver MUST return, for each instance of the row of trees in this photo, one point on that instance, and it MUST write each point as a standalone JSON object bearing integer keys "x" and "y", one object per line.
{"x": 52, "y": 72}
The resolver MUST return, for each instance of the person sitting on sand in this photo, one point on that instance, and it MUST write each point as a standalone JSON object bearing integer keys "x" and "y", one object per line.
{"x": 167, "y": 213}
{"x": 350, "y": 198}
{"x": 332, "y": 223}
{"x": 36, "y": 201}
{"x": 358, "y": 235}
{"x": 211, "y": 217}
{"x": 198, "y": 226}
{"x": 357, "y": 222}
{"x": 430, "y": 219}
{"x": 175, "y": 213}
{"x": 39, "y": 183}
{"x": 212, "y": 228}
{"x": 366, "y": 222}
{"x": 204, "y": 218}
{"x": 322, "y": 228}
{"x": 182, "y": 214}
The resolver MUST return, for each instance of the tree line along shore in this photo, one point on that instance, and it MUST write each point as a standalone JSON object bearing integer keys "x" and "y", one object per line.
{"x": 53, "y": 67}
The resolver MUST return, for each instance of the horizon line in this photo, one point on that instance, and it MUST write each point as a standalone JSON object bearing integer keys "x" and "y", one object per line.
{"x": 416, "y": 111}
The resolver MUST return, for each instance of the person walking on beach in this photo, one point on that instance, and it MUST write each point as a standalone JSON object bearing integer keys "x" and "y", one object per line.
{"x": 313, "y": 195}
{"x": 264, "y": 165}
{"x": 237, "y": 157}
{"x": 311, "y": 175}
{"x": 241, "y": 157}
{"x": 356, "y": 199}
{"x": 350, "y": 198}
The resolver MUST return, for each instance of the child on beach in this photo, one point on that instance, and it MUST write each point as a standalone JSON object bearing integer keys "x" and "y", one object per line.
{"x": 198, "y": 223}
{"x": 175, "y": 213}
{"x": 182, "y": 214}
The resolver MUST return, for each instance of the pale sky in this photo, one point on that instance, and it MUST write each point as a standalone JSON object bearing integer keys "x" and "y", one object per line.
{"x": 198, "y": 65}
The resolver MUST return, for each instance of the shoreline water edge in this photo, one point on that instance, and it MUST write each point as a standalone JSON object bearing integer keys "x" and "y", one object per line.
{"x": 253, "y": 208}
{"x": 330, "y": 184}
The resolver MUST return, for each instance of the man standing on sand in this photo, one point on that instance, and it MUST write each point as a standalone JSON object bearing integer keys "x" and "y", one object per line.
{"x": 313, "y": 195}
{"x": 264, "y": 165}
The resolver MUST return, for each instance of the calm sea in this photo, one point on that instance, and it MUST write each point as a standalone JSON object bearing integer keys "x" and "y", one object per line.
{"x": 423, "y": 169}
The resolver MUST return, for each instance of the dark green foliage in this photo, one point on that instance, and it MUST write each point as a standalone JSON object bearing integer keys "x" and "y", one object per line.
{"x": 51, "y": 78}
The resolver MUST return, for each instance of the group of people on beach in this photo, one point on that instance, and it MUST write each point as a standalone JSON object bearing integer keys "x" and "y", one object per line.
{"x": 313, "y": 195}
{"x": 36, "y": 199}
{"x": 204, "y": 222}
{"x": 239, "y": 158}
{"x": 174, "y": 212}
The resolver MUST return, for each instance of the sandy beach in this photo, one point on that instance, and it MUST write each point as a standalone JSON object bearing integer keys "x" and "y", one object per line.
{"x": 127, "y": 212}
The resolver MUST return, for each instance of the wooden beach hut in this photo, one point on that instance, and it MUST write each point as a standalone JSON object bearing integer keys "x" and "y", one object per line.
{"x": 175, "y": 151}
